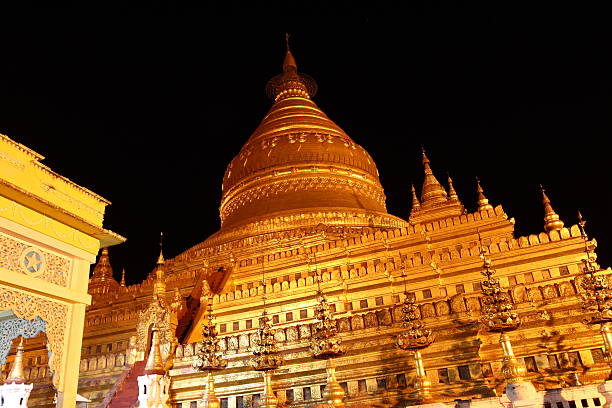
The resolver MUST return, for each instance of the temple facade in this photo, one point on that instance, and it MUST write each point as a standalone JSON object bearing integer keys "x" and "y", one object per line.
{"x": 312, "y": 295}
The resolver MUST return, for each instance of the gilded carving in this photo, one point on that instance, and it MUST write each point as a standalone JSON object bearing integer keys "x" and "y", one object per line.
{"x": 442, "y": 308}
{"x": 519, "y": 293}
{"x": 292, "y": 333}
{"x": 458, "y": 304}
{"x": 13, "y": 328}
{"x": 29, "y": 307}
{"x": 19, "y": 256}
{"x": 384, "y": 317}
{"x": 305, "y": 331}
{"x": 357, "y": 322}
{"x": 428, "y": 310}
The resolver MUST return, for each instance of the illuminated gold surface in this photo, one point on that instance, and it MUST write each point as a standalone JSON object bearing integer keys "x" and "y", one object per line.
{"x": 358, "y": 263}
{"x": 483, "y": 202}
{"x": 16, "y": 375}
{"x": 155, "y": 364}
{"x": 299, "y": 161}
{"x": 551, "y": 218}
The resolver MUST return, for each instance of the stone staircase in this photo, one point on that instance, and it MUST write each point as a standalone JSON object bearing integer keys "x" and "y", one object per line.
{"x": 127, "y": 394}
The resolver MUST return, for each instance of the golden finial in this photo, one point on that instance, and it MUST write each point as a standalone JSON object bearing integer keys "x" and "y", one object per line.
{"x": 159, "y": 286}
{"x": 16, "y": 376}
{"x": 289, "y": 63}
{"x": 432, "y": 192}
{"x": 483, "y": 202}
{"x": 155, "y": 364}
{"x": 290, "y": 83}
{"x": 160, "y": 259}
{"x": 452, "y": 194}
{"x": 123, "y": 278}
{"x": 416, "y": 206}
{"x": 551, "y": 219}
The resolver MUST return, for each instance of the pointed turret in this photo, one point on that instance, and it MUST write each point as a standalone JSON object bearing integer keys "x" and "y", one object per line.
{"x": 416, "y": 205}
{"x": 551, "y": 219}
{"x": 435, "y": 203}
{"x": 289, "y": 64}
{"x": 122, "y": 283}
{"x": 452, "y": 194}
{"x": 103, "y": 270}
{"x": 159, "y": 287}
{"x": 102, "y": 280}
{"x": 16, "y": 376}
{"x": 483, "y": 202}
{"x": 155, "y": 364}
{"x": 290, "y": 83}
{"x": 432, "y": 193}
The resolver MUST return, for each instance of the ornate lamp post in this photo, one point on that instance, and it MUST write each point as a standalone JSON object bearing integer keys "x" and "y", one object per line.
{"x": 499, "y": 317}
{"x": 416, "y": 337}
{"x": 597, "y": 297}
{"x": 207, "y": 358}
{"x": 266, "y": 359}
{"x": 266, "y": 351}
{"x": 326, "y": 345}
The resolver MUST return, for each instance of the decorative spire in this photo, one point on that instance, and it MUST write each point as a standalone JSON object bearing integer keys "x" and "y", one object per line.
{"x": 452, "y": 194}
{"x": 597, "y": 297}
{"x": 122, "y": 283}
{"x": 499, "y": 317}
{"x": 207, "y": 358}
{"x": 290, "y": 83}
{"x": 103, "y": 270}
{"x": 155, "y": 364}
{"x": 327, "y": 345}
{"x": 432, "y": 192}
{"x": 102, "y": 281}
{"x": 415, "y": 337}
{"x": 416, "y": 205}
{"x": 266, "y": 349}
{"x": 325, "y": 341}
{"x": 266, "y": 359}
{"x": 160, "y": 259}
{"x": 159, "y": 287}
{"x": 483, "y": 202}
{"x": 551, "y": 219}
{"x": 289, "y": 64}
{"x": 16, "y": 376}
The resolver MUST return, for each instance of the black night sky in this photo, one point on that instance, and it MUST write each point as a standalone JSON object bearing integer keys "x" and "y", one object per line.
{"x": 147, "y": 106}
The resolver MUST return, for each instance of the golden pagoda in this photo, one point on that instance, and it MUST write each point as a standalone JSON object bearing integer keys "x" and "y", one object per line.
{"x": 301, "y": 189}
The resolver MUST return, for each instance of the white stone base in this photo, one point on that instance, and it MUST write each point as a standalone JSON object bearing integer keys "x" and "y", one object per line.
{"x": 15, "y": 395}
{"x": 153, "y": 391}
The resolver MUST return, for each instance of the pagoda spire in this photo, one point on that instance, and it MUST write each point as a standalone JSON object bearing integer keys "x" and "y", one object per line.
{"x": 16, "y": 376}
{"x": 122, "y": 283}
{"x": 551, "y": 219}
{"x": 290, "y": 83}
{"x": 289, "y": 64}
{"x": 452, "y": 194}
{"x": 155, "y": 363}
{"x": 432, "y": 192}
{"x": 103, "y": 270}
{"x": 416, "y": 205}
{"x": 102, "y": 281}
{"x": 483, "y": 202}
{"x": 159, "y": 287}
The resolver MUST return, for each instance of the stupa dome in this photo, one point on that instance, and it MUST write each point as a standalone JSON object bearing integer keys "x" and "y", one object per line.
{"x": 299, "y": 167}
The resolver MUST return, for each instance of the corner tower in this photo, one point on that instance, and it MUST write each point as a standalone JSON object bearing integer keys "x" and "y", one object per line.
{"x": 300, "y": 169}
